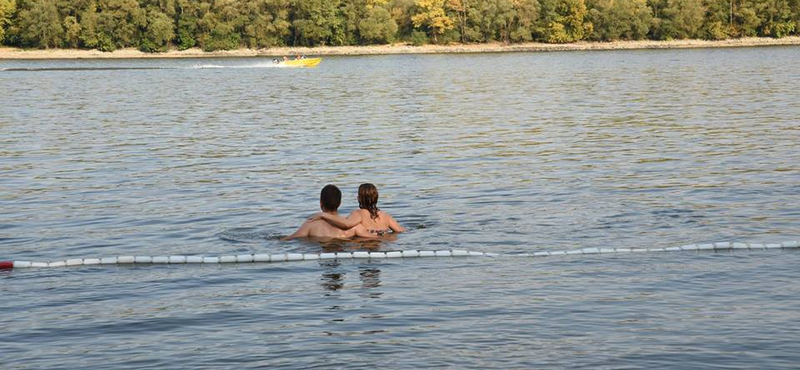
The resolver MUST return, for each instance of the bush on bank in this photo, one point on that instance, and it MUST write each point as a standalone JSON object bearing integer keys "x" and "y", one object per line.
{"x": 158, "y": 25}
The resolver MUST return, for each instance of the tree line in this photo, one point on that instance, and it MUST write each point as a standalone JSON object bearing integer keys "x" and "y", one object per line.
{"x": 158, "y": 25}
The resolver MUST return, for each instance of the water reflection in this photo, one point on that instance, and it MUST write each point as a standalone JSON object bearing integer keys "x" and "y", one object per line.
{"x": 370, "y": 281}
{"x": 334, "y": 276}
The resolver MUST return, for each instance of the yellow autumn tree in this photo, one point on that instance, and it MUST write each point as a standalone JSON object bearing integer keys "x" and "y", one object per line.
{"x": 431, "y": 15}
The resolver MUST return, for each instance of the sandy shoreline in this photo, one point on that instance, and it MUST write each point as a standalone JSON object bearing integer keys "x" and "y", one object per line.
{"x": 15, "y": 53}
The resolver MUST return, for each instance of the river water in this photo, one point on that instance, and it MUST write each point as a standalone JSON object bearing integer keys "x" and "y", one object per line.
{"x": 505, "y": 153}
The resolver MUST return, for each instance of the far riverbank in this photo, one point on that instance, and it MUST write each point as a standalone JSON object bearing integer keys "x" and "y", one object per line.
{"x": 16, "y": 53}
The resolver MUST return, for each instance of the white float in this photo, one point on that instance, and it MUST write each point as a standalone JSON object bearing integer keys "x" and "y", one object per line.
{"x": 287, "y": 257}
{"x": 277, "y": 258}
{"x": 244, "y": 258}
{"x": 722, "y": 246}
{"x": 74, "y": 262}
{"x": 294, "y": 257}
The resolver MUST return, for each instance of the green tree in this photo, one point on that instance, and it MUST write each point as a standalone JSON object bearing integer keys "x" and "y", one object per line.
{"x": 501, "y": 20}
{"x": 718, "y": 22}
{"x": 158, "y": 32}
{"x": 316, "y": 22}
{"x": 402, "y": 11}
{"x": 7, "y": 8}
{"x": 223, "y": 36}
{"x": 776, "y": 18}
{"x": 680, "y": 19}
{"x": 39, "y": 25}
{"x": 350, "y": 14}
{"x": 745, "y": 18}
{"x": 524, "y": 24}
{"x": 378, "y": 26}
{"x": 88, "y": 33}
{"x": 266, "y": 23}
{"x": 488, "y": 19}
{"x": 168, "y": 7}
{"x": 460, "y": 12}
{"x": 618, "y": 19}
{"x": 189, "y": 14}
{"x": 72, "y": 31}
{"x": 119, "y": 23}
{"x": 219, "y": 24}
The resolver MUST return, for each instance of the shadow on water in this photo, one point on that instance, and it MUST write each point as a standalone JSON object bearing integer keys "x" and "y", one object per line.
{"x": 254, "y": 236}
{"x": 341, "y": 245}
{"x": 247, "y": 235}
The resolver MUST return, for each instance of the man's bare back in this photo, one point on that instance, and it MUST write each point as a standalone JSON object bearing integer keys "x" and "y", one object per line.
{"x": 321, "y": 230}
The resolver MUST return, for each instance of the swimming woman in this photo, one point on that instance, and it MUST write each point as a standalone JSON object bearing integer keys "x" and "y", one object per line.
{"x": 375, "y": 221}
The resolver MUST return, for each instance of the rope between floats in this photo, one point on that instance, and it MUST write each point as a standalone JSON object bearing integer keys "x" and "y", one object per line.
{"x": 287, "y": 257}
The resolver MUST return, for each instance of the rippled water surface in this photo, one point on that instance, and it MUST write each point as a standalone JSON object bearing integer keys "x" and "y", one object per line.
{"x": 504, "y": 153}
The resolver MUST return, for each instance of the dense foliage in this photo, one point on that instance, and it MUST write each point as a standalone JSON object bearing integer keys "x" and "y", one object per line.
{"x": 156, "y": 25}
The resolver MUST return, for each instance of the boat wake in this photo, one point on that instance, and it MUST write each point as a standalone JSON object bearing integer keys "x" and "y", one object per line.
{"x": 50, "y": 69}
{"x": 246, "y": 66}
{"x": 133, "y": 68}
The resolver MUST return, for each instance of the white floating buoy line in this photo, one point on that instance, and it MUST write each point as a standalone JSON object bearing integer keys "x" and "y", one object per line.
{"x": 288, "y": 257}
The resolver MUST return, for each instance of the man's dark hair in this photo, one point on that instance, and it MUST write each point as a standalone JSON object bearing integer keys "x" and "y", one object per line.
{"x": 330, "y": 198}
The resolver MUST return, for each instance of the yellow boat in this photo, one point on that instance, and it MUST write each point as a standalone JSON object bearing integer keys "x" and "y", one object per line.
{"x": 310, "y": 62}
